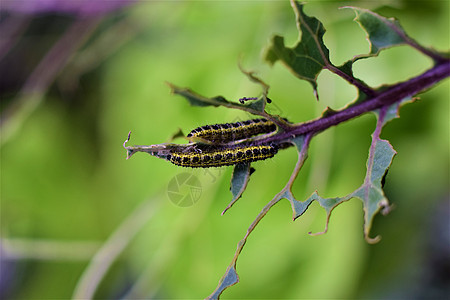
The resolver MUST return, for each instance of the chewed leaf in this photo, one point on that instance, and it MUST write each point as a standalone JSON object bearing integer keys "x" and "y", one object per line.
{"x": 258, "y": 105}
{"x": 391, "y": 112}
{"x": 254, "y": 107}
{"x": 371, "y": 192}
{"x": 309, "y": 56}
{"x": 381, "y": 32}
{"x": 230, "y": 278}
{"x": 298, "y": 207}
{"x": 380, "y": 158}
{"x": 196, "y": 99}
{"x": 239, "y": 181}
{"x": 328, "y": 204}
{"x": 299, "y": 142}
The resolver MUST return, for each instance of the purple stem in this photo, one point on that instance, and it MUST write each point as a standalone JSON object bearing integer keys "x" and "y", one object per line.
{"x": 387, "y": 97}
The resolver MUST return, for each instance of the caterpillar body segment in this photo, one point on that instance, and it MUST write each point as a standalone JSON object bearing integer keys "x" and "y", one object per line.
{"x": 224, "y": 133}
{"x": 218, "y": 157}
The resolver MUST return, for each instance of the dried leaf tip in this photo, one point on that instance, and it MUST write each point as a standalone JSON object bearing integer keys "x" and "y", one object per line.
{"x": 372, "y": 241}
{"x": 124, "y": 145}
{"x": 126, "y": 141}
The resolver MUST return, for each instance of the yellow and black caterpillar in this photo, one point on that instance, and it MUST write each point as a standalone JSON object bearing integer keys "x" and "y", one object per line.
{"x": 224, "y": 133}
{"x": 220, "y": 149}
{"x": 225, "y": 156}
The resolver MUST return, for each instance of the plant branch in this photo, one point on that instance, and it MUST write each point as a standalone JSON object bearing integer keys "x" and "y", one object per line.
{"x": 391, "y": 95}
{"x": 428, "y": 52}
{"x": 302, "y": 155}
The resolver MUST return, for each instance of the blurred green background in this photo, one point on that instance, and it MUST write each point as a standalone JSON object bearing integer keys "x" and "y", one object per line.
{"x": 70, "y": 201}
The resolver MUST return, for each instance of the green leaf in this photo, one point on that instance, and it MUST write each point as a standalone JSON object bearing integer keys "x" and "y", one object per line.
{"x": 298, "y": 142}
{"x": 371, "y": 193}
{"x": 239, "y": 180}
{"x": 257, "y": 105}
{"x": 309, "y": 56}
{"x": 381, "y": 32}
{"x": 198, "y": 100}
{"x": 298, "y": 207}
{"x": 254, "y": 107}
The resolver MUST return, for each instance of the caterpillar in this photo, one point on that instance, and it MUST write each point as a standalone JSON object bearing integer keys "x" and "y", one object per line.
{"x": 223, "y": 133}
{"x": 218, "y": 157}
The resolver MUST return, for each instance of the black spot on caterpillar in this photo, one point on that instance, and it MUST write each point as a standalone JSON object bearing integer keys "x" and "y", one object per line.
{"x": 218, "y": 157}
{"x": 223, "y": 133}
